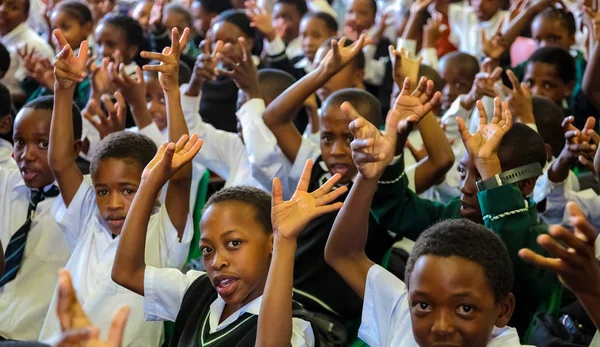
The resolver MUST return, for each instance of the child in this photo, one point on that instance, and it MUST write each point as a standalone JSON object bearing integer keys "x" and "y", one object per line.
{"x": 493, "y": 149}
{"x": 458, "y": 70}
{"x": 141, "y": 13}
{"x": 14, "y": 33}
{"x": 25, "y": 289}
{"x": 360, "y": 17}
{"x": 204, "y": 11}
{"x": 6, "y": 129}
{"x": 92, "y": 215}
{"x": 287, "y": 15}
{"x": 175, "y": 16}
{"x": 246, "y": 254}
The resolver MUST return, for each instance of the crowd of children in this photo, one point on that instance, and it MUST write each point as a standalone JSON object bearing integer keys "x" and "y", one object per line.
{"x": 278, "y": 173}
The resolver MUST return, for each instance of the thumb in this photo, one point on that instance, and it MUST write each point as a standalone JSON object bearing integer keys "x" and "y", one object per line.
{"x": 276, "y": 193}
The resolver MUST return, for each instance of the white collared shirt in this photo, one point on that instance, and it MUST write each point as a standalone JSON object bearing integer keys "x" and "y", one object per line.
{"x": 91, "y": 263}
{"x": 386, "y": 315}
{"x": 164, "y": 290}
{"x": 223, "y": 152}
{"x": 6, "y": 159}
{"x": 19, "y": 37}
{"x": 465, "y": 28}
{"x": 25, "y": 300}
{"x": 294, "y": 48}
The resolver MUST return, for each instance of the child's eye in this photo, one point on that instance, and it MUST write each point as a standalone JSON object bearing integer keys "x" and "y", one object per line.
{"x": 326, "y": 138}
{"x": 129, "y": 191}
{"x": 19, "y": 142}
{"x": 349, "y": 139}
{"x": 421, "y": 307}
{"x": 234, "y": 243}
{"x": 43, "y": 144}
{"x": 102, "y": 192}
{"x": 206, "y": 250}
{"x": 547, "y": 86}
{"x": 465, "y": 310}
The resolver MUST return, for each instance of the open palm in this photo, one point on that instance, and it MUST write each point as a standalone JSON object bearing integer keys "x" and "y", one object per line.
{"x": 171, "y": 157}
{"x": 416, "y": 105}
{"x": 168, "y": 70}
{"x": 339, "y": 56}
{"x": 69, "y": 68}
{"x": 290, "y": 217}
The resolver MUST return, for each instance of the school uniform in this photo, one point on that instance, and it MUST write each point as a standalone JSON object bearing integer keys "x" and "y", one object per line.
{"x": 25, "y": 299}
{"x": 224, "y": 153}
{"x": 19, "y": 37}
{"x": 94, "y": 250}
{"x": 6, "y": 159}
{"x": 192, "y": 303}
{"x": 505, "y": 212}
{"x": 386, "y": 315}
{"x": 277, "y": 58}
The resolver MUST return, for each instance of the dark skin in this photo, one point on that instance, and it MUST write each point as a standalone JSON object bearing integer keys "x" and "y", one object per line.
{"x": 452, "y": 303}
{"x": 12, "y": 13}
{"x": 348, "y": 77}
{"x": 202, "y": 18}
{"x": 359, "y": 17}
{"x": 544, "y": 80}
{"x": 141, "y": 13}
{"x": 313, "y": 33}
{"x": 458, "y": 81}
{"x": 31, "y": 137}
{"x": 485, "y": 9}
{"x": 156, "y": 102}
{"x": 73, "y": 31}
{"x": 549, "y": 32}
{"x": 290, "y": 15}
{"x": 229, "y": 33}
{"x": 335, "y": 142}
{"x": 110, "y": 39}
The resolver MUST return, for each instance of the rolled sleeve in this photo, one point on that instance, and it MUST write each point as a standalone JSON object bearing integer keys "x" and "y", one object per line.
{"x": 275, "y": 47}
{"x": 164, "y": 290}
{"x": 154, "y": 133}
{"x": 173, "y": 252}
{"x": 190, "y": 105}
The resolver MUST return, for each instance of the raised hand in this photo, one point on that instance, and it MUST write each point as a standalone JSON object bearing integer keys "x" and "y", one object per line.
{"x": 404, "y": 65}
{"x": 594, "y": 18}
{"x": 483, "y": 145}
{"x": 420, "y": 6}
{"x": 290, "y": 217}
{"x": 519, "y": 99}
{"x": 432, "y": 30}
{"x": 29, "y": 58}
{"x": 243, "y": 72}
{"x": 106, "y": 124}
{"x": 495, "y": 46}
{"x": 372, "y": 150}
{"x": 578, "y": 146}
{"x": 133, "y": 90}
{"x": 156, "y": 14}
{"x": 168, "y": 70}
{"x": 170, "y": 158}
{"x": 205, "y": 67}
{"x": 339, "y": 56}
{"x": 69, "y": 68}
{"x": 43, "y": 73}
{"x": 100, "y": 82}
{"x": 483, "y": 85}
{"x": 572, "y": 254}
{"x": 76, "y": 327}
{"x": 260, "y": 19}
{"x": 412, "y": 107}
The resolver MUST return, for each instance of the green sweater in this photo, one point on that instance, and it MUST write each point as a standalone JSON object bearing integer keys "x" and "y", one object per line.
{"x": 505, "y": 213}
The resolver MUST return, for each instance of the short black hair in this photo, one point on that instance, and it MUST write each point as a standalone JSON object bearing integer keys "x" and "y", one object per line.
{"x": 299, "y": 4}
{"x": 134, "y": 34}
{"x": 274, "y": 82}
{"x": 548, "y": 119}
{"x": 258, "y": 199}
{"x": 5, "y": 101}
{"x": 469, "y": 240}
{"x": 330, "y": 22}
{"x": 4, "y": 58}
{"x": 177, "y": 8}
{"x": 432, "y": 75}
{"x": 26, "y": 6}
{"x": 239, "y": 19}
{"x": 46, "y": 102}
{"x": 124, "y": 145}
{"x": 521, "y": 146}
{"x": 359, "y": 60}
{"x": 466, "y": 62}
{"x": 559, "y": 58}
{"x": 76, "y": 10}
{"x": 216, "y": 6}
{"x": 565, "y": 17}
{"x": 364, "y": 102}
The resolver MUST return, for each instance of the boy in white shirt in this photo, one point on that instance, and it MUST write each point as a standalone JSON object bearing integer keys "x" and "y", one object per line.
{"x": 92, "y": 216}
{"x": 27, "y": 285}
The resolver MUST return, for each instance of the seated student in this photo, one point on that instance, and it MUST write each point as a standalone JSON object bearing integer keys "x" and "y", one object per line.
{"x": 458, "y": 70}
{"x": 287, "y": 15}
{"x": 92, "y": 214}
{"x": 361, "y": 17}
{"x": 31, "y": 274}
{"x": 6, "y": 129}
{"x": 14, "y": 33}
{"x": 204, "y": 11}
{"x": 495, "y": 148}
{"x": 248, "y": 242}
{"x": 141, "y": 12}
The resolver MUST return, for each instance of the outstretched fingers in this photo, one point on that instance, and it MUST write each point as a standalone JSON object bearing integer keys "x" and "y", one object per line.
{"x": 305, "y": 178}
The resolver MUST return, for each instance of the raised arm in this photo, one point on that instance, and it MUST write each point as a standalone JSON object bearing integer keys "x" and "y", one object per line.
{"x": 134, "y": 92}
{"x": 278, "y": 116}
{"x": 130, "y": 266}
{"x": 288, "y": 219}
{"x": 591, "y": 85}
{"x": 416, "y": 19}
{"x": 63, "y": 148}
{"x": 178, "y": 193}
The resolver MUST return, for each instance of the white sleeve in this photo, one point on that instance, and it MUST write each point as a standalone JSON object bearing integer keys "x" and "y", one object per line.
{"x": 163, "y": 246}
{"x": 164, "y": 290}
{"x": 430, "y": 57}
{"x": 321, "y": 6}
{"x": 308, "y": 150}
{"x": 73, "y": 220}
{"x": 385, "y": 314}
{"x": 153, "y": 132}
{"x": 375, "y": 71}
{"x": 302, "y": 333}
{"x": 409, "y": 45}
{"x": 598, "y": 250}
{"x": 190, "y": 105}
{"x": 274, "y": 48}
{"x": 449, "y": 118}
{"x": 90, "y": 133}
{"x": 457, "y": 19}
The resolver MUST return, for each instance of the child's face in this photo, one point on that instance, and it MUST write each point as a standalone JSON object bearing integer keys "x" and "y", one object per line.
{"x": 116, "y": 180}
{"x": 31, "y": 137}
{"x": 468, "y": 188}
{"x": 109, "y": 39}
{"x": 335, "y": 143}
{"x": 360, "y": 15}
{"x": 70, "y": 27}
{"x": 452, "y": 303}
{"x": 457, "y": 83}
{"x": 349, "y": 77}
{"x": 544, "y": 80}
{"x": 290, "y": 15}
{"x": 12, "y": 13}
{"x": 141, "y": 13}
{"x": 202, "y": 18}
{"x": 485, "y": 9}
{"x": 100, "y": 7}
{"x": 177, "y": 20}
{"x": 229, "y": 33}
{"x": 548, "y": 32}
{"x": 313, "y": 32}
{"x": 155, "y": 98}
{"x": 236, "y": 251}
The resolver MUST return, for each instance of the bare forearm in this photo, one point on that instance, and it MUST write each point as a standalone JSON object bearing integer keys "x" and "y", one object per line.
{"x": 177, "y": 128}
{"x": 590, "y": 304}
{"x": 413, "y": 26}
{"x": 129, "y": 266}
{"x": 558, "y": 171}
{"x": 140, "y": 113}
{"x": 517, "y": 26}
{"x": 345, "y": 249}
{"x": 275, "y": 318}
{"x": 591, "y": 84}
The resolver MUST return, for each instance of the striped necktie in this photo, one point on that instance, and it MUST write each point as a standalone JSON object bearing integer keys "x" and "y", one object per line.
{"x": 16, "y": 246}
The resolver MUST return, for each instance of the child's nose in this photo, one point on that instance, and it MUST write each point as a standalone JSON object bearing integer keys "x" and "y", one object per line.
{"x": 443, "y": 324}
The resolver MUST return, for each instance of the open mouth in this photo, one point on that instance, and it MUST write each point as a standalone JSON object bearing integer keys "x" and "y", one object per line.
{"x": 341, "y": 169}
{"x": 28, "y": 174}
{"x": 225, "y": 286}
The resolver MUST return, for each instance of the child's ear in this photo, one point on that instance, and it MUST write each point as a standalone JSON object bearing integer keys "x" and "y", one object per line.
{"x": 527, "y": 186}
{"x": 6, "y": 123}
{"x": 505, "y": 310}
{"x": 271, "y": 242}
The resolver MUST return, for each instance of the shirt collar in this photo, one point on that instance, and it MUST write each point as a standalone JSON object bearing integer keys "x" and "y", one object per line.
{"x": 305, "y": 64}
{"x": 21, "y": 188}
{"x": 16, "y": 33}
{"x": 217, "y": 307}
